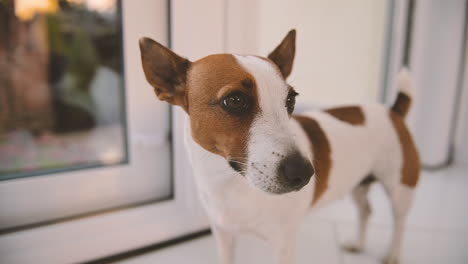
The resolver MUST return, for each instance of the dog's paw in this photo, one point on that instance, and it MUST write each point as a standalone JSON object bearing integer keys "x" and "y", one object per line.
{"x": 352, "y": 248}
{"x": 390, "y": 260}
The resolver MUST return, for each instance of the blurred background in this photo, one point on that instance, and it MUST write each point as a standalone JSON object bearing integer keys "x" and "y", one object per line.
{"x": 93, "y": 167}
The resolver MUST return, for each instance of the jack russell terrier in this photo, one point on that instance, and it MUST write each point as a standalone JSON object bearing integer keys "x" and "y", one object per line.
{"x": 253, "y": 160}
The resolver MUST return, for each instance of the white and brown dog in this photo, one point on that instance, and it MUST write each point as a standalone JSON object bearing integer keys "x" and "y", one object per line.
{"x": 253, "y": 159}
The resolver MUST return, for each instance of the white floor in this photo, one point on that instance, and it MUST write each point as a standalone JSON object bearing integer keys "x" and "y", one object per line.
{"x": 437, "y": 230}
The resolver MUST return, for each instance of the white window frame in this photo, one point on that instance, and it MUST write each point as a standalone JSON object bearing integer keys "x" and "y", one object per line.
{"x": 435, "y": 58}
{"x": 195, "y": 33}
{"x": 395, "y": 40}
{"x": 460, "y": 147}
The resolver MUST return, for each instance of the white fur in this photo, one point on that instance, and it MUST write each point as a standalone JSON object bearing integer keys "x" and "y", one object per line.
{"x": 272, "y": 134}
{"x": 405, "y": 82}
{"x": 236, "y": 204}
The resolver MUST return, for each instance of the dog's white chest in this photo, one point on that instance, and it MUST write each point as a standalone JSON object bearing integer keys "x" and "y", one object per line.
{"x": 239, "y": 207}
{"x": 231, "y": 206}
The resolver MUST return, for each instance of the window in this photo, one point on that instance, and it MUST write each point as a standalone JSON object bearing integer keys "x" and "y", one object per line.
{"x": 62, "y": 87}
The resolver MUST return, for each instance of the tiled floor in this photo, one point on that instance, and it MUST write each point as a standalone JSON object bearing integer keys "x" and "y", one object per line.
{"x": 437, "y": 230}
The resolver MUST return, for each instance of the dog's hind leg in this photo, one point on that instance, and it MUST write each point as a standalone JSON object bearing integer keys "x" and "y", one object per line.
{"x": 401, "y": 197}
{"x": 359, "y": 196}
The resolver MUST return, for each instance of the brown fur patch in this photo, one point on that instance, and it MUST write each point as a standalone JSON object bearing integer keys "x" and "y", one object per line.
{"x": 322, "y": 153}
{"x": 350, "y": 114}
{"x": 165, "y": 71}
{"x": 283, "y": 55}
{"x": 402, "y": 104}
{"x": 209, "y": 80}
{"x": 411, "y": 164}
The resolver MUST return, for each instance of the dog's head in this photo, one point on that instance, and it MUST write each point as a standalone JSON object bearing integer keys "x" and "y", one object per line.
{"x": 240, "y": 108}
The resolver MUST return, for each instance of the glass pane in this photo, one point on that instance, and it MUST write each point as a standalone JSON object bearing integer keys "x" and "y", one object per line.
{"x": 61, "y": 86}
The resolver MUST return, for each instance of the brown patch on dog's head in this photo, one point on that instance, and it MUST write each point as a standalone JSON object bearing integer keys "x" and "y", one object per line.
{"x": 211, "y": 83}
{"x": 352, "y": 115}
{"x": 411, "y": 163}
{"x": 322, "y": 153}
{"x": 209, "y": 90}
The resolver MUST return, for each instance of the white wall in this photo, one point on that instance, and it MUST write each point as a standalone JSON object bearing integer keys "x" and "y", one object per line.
{"x": 339, "y": 44}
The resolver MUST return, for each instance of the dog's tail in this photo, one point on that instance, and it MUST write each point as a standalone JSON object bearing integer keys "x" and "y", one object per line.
{"x": 405, "y": 90}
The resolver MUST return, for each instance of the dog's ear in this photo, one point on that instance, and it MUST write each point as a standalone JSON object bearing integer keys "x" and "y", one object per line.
{"x": 165, "y": 71}
{"x": 283, "y": 55}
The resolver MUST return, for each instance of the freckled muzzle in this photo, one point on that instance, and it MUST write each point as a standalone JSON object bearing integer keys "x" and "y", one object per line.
{"x": 294, "y": 172}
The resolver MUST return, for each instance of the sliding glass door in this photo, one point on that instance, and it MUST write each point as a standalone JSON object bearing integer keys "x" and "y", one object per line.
{"x": 87, "y": 152}
{"x": 80, "y": 131}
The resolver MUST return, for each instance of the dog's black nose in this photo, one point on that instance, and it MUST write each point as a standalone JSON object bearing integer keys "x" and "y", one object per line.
{"x": 295, "y": 171}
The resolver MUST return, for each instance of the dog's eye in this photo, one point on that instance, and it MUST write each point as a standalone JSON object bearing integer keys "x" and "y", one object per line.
{"x": 236, "y": 103}
{"x": 291, "y": 101}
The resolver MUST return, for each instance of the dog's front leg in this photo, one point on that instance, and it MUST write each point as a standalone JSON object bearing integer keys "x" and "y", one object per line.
{"x": 285, "y": 248}
{"x": 225, "y": 243}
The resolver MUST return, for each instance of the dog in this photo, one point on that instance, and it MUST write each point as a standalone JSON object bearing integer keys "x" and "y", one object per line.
{"x": 259, "y": 168}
